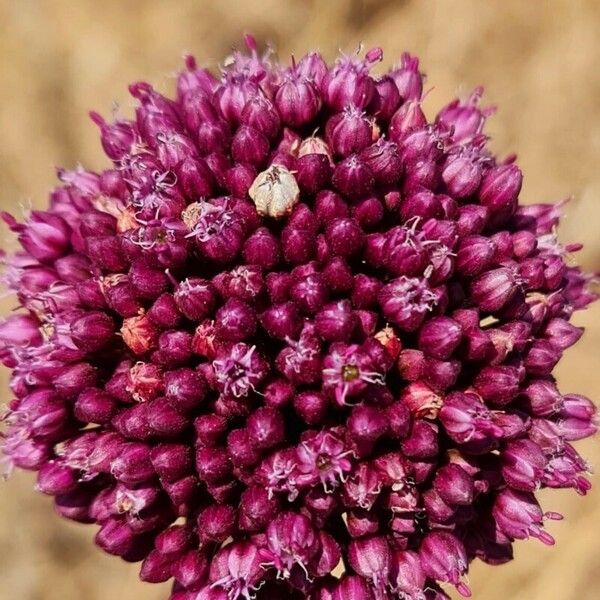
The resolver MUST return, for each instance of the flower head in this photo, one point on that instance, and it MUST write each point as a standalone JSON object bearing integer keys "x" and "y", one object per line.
{"x": 305, "y": 323}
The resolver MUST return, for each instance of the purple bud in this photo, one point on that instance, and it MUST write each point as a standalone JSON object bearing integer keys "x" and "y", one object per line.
{"x": 366, "y": 323}
{"x": 443, "y": 558}
{"x": 195, "y": 178}
{"x": 266, "y": 427}
{"x": 75, "y": 505}
{"x": 312, "y": 66}
{"x": 366, "y": 424}
{"x": 543, "y": 398}
{"x": 117, "y": 138}
{"x": 262, "y": 249}
{"x": 365, "y": 291}
{"x": 352, "y": 177}
{"x": 439, "y": 512}
{"x": 349, "y": 132}
{"x": 406, "y": 574}
{"x": 194, "y": 79}
{"x": 348, "y": 83}
{"x": 541, "y": 358}
{"x": 260, "y": 114}
{"x": 55, "y": 478}
{"x": 195, "y": 298}
{"x": 291, "y": 540}
{"x": 498, "y": 385}
{"x": 494, "y": 289}
{"x": 499, "y": 191}
{"x": 383, "y": 159}
{"x": 210, "y": 429}
{"x": 278, "y": 393}
{"x": 96, "y": 223}
{"x": 245, "y": 282}
{"x": 329, "y": 206}
{"x": 241, "y": 450}
{"x": 471, "y": 219}
{"x": 330, "y": 555}
{"x": 311, "y": 406}
{"x": 213, "y": 464}
{"x": 464, "y": 117}
{"x": 573, "y": 429}
{"x": 408, "y": 79}
{"x": 256, "y": 509}
{"x": 216, "y": 523}
{"x": 185, "y": 388}
{"x": 235, "y": 321}
{"x": 368, "y": 212}
{"x": 408, "y": 118}
{"x": 191, "y": 570}
{"x": 338, "y": 275}
{"x": 92, "y": 331}
{"x": 297, "y": 100}
{"x": 298, "y": 245}
{"x": 121, "y": 297}
{"x": 578, "y": 407}
{"x": 562, "y": 334}
{"x": 183, "y": 493}
{"x": 411, "y": 364}
{"x": 236, "y": 568}
{"x": 387, "y": 98}
{"x": 115, "y": 537}
{"x": 164, "y": 312}
{"x": 133, "y": 464}
{"x": 523, "y": 465}
{"x": 474, "y": 255}
{"x": 422, "y": 441}
{"x": 439, "y": 337}
{"x": 398, "y": 420}
{"x": 172, "y": 462}
{"x": 462, "y": 176}
{"x": 422, "y": 204}
{"x": 345, "y": 237}
{"x": 156, "y": 568}
{"x": 313, "y": 172}
{"x": 174, "y": 347}
{"x": 282, "y": 321}
{"x": 149, "y": 283}
{"x": 370, "y": 558}
{"x": 454, "y": 485}
{"x": 309, "y": 294}
{"x": 233, "y": 94}
{"x": 95, "y": 406}
{"x": 352, "y": 587}
{"x": 335, "y": 322}
{"x": 239, "y": 179}
{"x": 106, "y": 253}
{"x": 401, "y": 252}
{"x": 249, "y": 146}
{"x": 74, "y": 379}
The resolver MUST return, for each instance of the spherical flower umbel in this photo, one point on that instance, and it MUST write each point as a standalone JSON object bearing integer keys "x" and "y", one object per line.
{"x": 296, "y": 340}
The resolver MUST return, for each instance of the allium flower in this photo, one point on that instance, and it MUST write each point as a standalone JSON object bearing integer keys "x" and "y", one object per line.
{"x": 311, "y": 327}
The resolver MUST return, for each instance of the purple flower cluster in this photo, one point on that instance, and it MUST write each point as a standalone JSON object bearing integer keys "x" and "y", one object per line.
{"x": 296, "y": 329}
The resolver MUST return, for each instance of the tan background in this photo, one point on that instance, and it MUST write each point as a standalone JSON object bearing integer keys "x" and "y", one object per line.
{"x": 539, "y": 62}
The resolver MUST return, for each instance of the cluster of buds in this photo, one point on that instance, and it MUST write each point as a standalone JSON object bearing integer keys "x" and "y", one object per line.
{"x": 296, "y": 341}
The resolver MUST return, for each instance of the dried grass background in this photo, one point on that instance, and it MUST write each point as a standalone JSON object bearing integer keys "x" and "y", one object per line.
{"x": 539, "y": 62}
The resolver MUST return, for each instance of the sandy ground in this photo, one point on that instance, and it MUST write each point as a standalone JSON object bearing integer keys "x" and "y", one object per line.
{"x": 539, "y": 63}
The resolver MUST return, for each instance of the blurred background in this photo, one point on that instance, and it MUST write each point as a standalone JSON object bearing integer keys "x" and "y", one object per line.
{"x": 539, "y": 64}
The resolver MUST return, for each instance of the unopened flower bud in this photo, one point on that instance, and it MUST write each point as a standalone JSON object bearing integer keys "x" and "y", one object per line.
{"x": 216, "y": 523}
{"x": 454, "y": 485}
